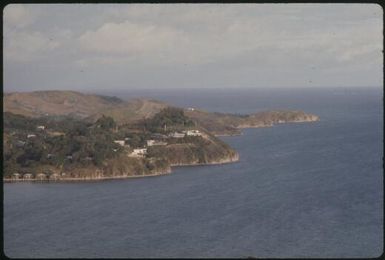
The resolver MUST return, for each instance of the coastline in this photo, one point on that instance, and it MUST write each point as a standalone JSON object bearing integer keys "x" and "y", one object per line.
{"x": 240, "y": 127}
{"x": 232, "y": 159}
{"x": 224, "y": 161}
{"x": 88, "y": 178}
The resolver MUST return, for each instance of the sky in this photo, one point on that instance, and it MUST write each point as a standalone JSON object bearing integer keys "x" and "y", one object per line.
{"x": 154, "y": 46}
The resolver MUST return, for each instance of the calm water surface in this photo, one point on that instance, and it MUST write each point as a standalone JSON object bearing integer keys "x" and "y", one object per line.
{"x": 299, "y": 190}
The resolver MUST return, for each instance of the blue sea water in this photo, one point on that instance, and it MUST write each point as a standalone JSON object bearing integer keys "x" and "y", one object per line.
{"x": 299, "y": 190}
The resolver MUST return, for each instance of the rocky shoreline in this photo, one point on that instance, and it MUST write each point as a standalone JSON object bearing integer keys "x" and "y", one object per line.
{"x": 102, "y": 178}
{"x": 230, "y": 159}
{"x": 223, "y": 161}
{"x": 245, "y": 126}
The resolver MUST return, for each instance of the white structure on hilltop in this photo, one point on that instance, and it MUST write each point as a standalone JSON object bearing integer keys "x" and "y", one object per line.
{"x": 120, "y": 142}
{"x": 193, "y": 133}
{"x": 41, "y": 127}
{"x": 31, "y": 135}
{"x": 190, "y": 109}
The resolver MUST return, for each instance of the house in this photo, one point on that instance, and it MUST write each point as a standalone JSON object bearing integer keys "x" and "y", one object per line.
{"x": 190, "y": 109}
{"x": 155, "y": 142}
{"x": 177, "y": 135}
{"x": 140, "y": 152}
{"x": 55, "y": 133}
{"x": 120, "y": 142}
{"x": 41, "y": 176}
{"x": 31, "y": 135}
{"x": 193, "y": 133}
{"x": 54, "y": 176}
{"x": 41, "y": 127}
{"x": 27, "y": 176}
{"x": 16, "y": 176}
{"x": 69, "y": 157}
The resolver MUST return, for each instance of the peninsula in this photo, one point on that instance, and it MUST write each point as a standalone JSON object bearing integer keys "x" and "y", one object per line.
{"x": 67, "y": 135}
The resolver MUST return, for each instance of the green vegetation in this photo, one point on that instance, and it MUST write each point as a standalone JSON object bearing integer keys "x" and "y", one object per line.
{"x": 81, "y": 144}
{"x": 168, "y": 119}
{"x": 66, "y": 144}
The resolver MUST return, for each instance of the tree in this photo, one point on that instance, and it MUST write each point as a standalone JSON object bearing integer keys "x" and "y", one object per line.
{"x": 106, "y": 122}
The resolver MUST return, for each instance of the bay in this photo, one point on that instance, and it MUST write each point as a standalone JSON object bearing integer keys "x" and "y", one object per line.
{"x": 299, "y": 190}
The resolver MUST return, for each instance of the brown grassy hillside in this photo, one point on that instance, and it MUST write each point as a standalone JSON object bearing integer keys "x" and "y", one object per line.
{"x": 59, "y": 103}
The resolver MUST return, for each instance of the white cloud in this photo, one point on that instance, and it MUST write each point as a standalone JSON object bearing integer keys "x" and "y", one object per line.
{"x": 129, "y": 38}
{"x": 201, "y": 34}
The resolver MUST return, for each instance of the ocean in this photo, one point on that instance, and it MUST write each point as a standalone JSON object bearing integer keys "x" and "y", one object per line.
{"x": 299, "y": 190}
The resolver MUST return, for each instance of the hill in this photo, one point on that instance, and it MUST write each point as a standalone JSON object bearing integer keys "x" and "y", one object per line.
{"x": 92, "y": 107}
{"x": 231, "y": 124}
{"x": 79, "y": 105}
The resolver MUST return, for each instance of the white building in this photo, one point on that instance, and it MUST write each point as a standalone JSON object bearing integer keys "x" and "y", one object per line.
{"x": 177, "y": 135}
{"x": 54, "y": 176}
{"x": 193, "y": 133}
{"x": 41, "y": 127}
{"x": 154, "y": 142}
{"x": 121, "y": 142}
{"x": 140, "y": 152}
{"x": 16, "y": 176}
{"x": 27, "y": 176}
{"x": 31, "y": 135}
{"x": 41, "y": 176}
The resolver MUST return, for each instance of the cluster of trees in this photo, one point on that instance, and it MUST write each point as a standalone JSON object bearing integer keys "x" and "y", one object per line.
{"x": 168, "y": 119}
{"x": 85, "y": 143}
{"x": 82, "y": 143}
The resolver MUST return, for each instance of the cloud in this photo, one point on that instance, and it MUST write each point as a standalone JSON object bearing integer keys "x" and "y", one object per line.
{"x": 221, "y": 41}
{"x": 200, "y": 34}
{"x": 129, "y": 38}
{"x": 27, "y": 46}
